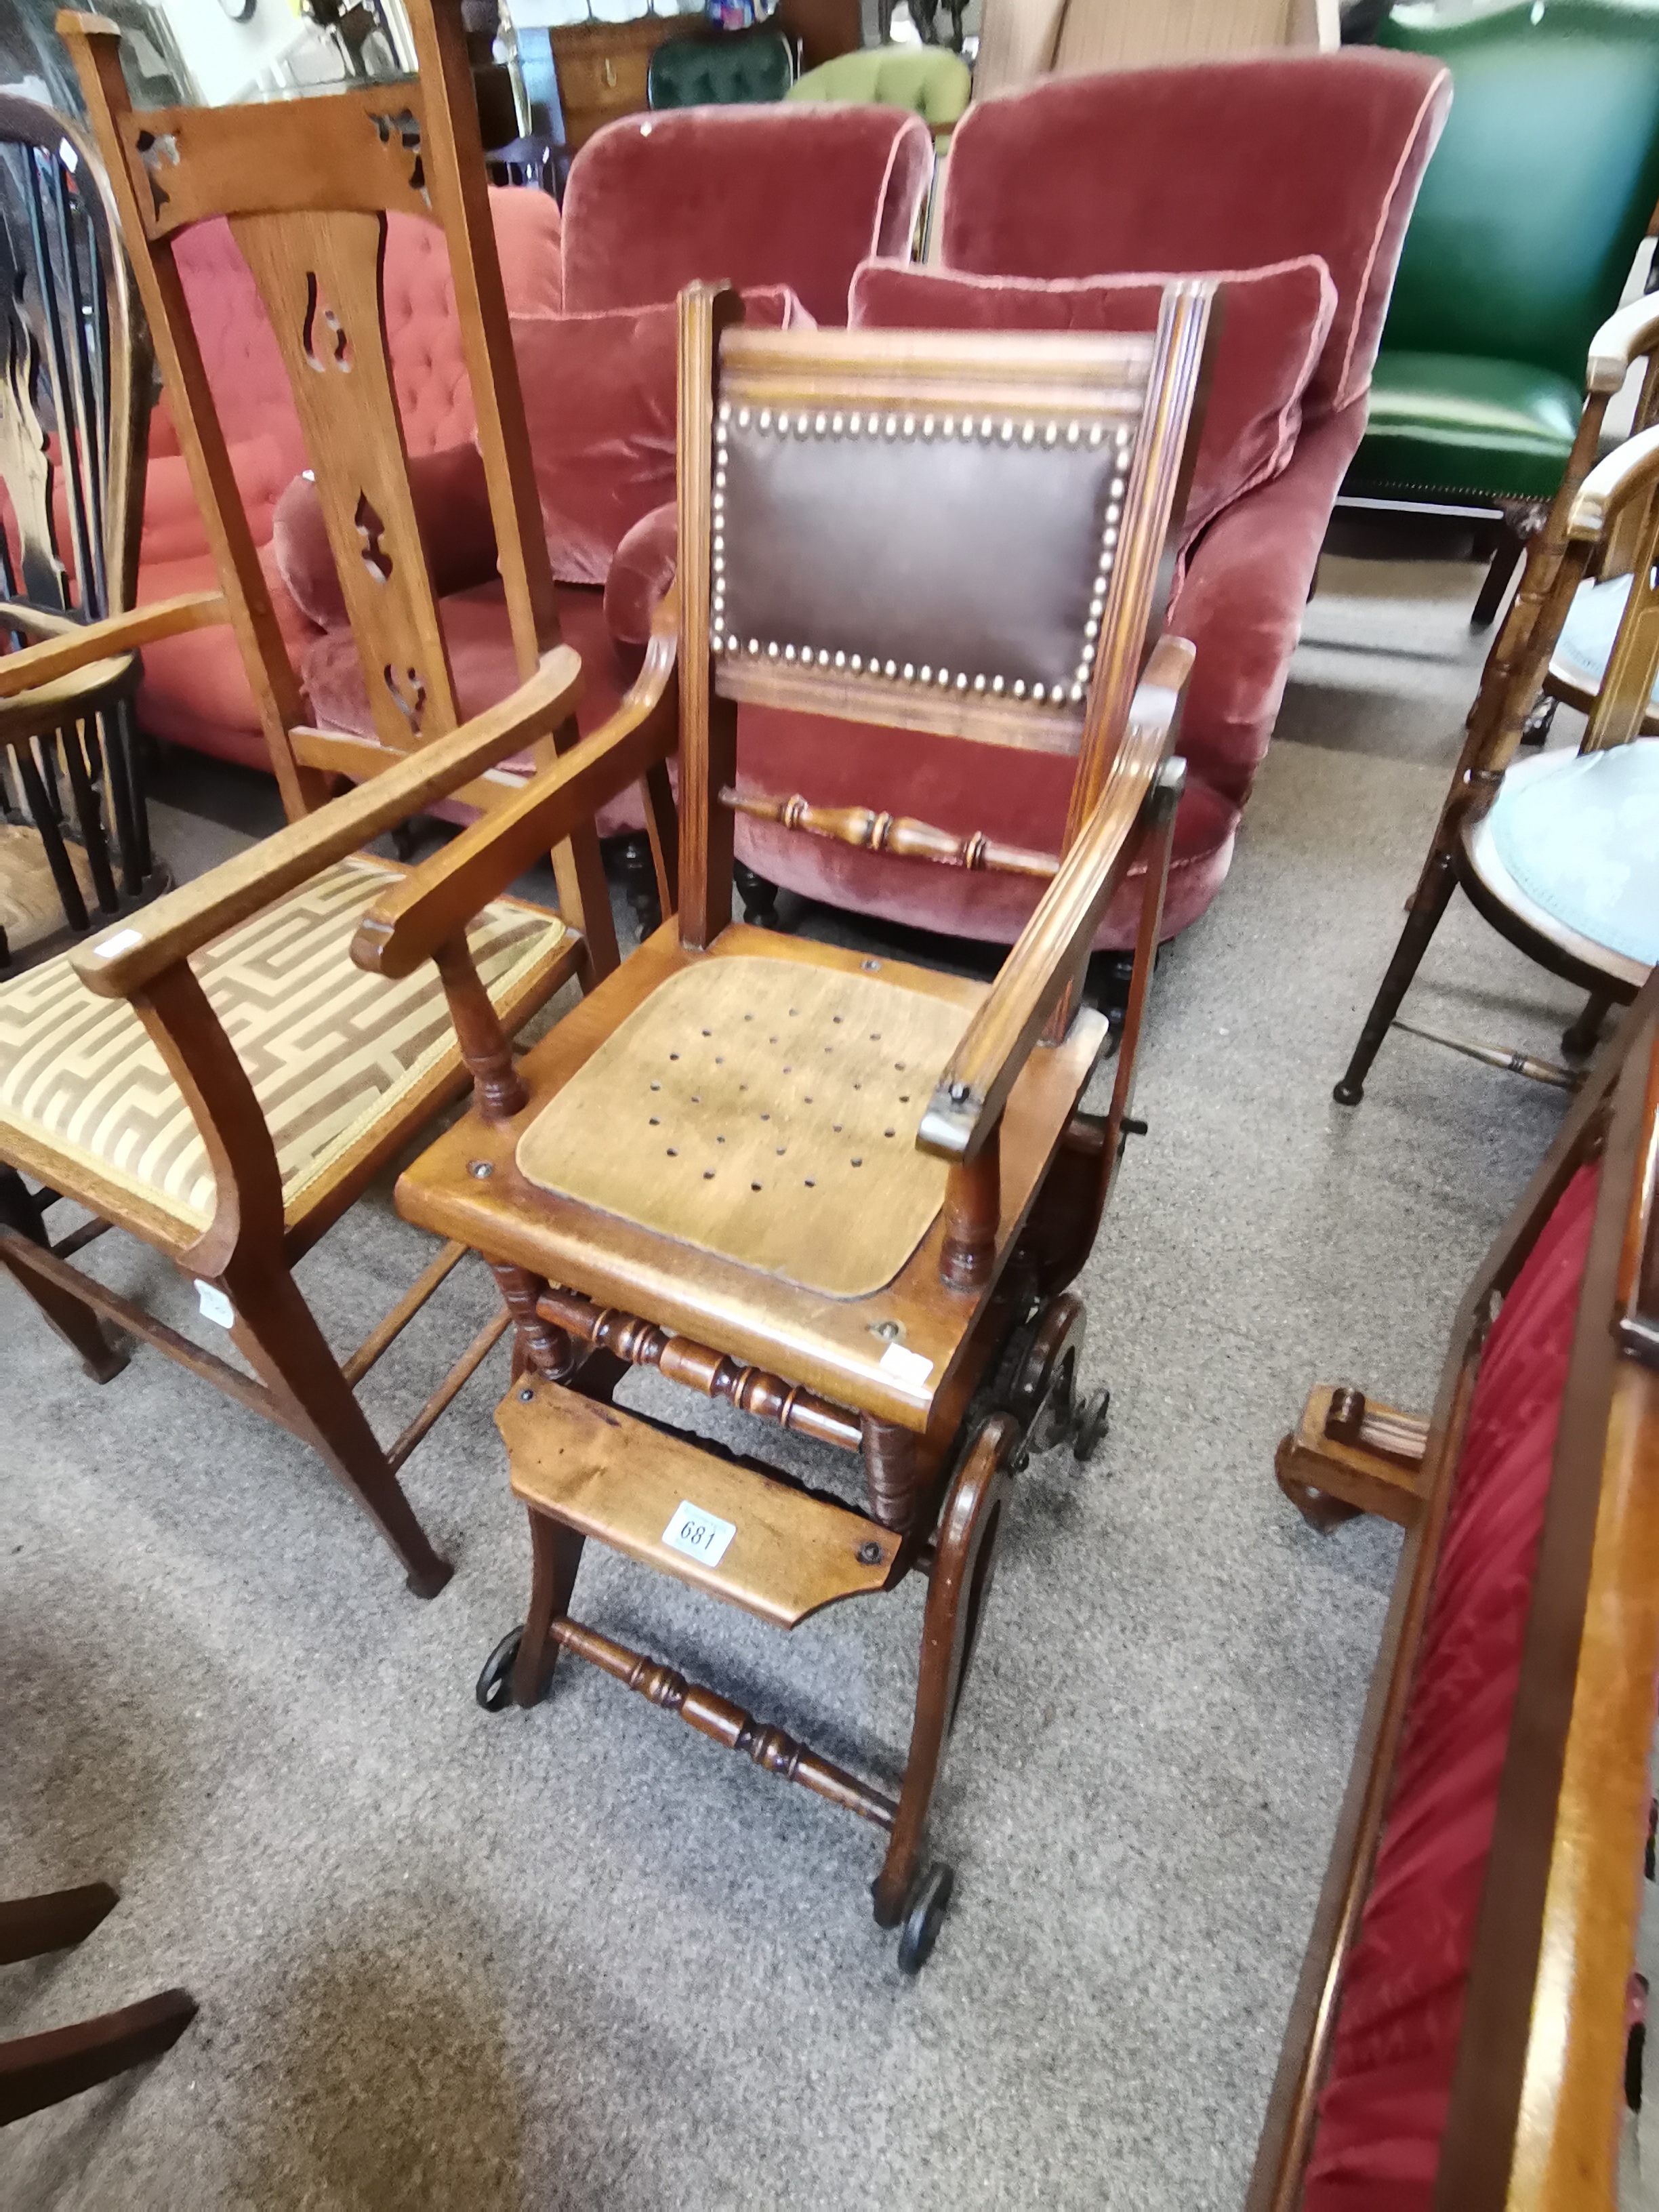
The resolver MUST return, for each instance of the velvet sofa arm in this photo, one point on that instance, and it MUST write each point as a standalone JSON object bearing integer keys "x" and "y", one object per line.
{"x": 408, "y": 924}
{"x": 968, "y": 1098}
{"x": 78, "y": 645}
{"x": 165, "y": 934}
{"x": 1242, "y": 599}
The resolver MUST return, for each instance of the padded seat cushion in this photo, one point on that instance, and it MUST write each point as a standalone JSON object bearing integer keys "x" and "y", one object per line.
{"x": 1453, "y": 423}
{"x": 1585, "y": 644}
{"x": 330, "y": 1050}
{"x": 1579, "y": 832}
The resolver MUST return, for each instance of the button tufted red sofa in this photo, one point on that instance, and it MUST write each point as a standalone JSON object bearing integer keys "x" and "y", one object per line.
{"x": 1224, "y": 166}
{"x": 194, "y": 690}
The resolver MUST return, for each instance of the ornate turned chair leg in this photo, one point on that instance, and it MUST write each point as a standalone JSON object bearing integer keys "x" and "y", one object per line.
{"x": 1433, "y": 896}
{"x": 555, "y": 1555}
{"x": 958, "y": 1587}
{"x": 891, "y": 1468}
{"x": 75, "y": 1322}
{"x": 536, "y": 1344}
{"x": 760, "y": 897}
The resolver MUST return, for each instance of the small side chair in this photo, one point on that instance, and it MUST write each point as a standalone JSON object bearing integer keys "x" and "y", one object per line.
{"x": 1558, "y": 851}
{"x": 215, "y": 1077}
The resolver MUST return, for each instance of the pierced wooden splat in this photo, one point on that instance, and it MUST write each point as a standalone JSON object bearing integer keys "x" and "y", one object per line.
{"x": 872, "y": 832}
{"x": 602, "y": 1473}
{"x": 765, "y": 1112}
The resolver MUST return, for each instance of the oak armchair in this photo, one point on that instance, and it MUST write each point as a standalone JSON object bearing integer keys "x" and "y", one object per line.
{"x": 215, "y": 1077}
{"x": 847, "y": 1195}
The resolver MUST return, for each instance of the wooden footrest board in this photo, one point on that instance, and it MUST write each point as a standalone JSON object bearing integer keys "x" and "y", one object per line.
{"x": 728, "y": 1530}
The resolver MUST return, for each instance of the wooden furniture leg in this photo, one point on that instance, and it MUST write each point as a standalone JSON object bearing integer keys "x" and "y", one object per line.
{"x": 277, "y": 1333}
{"x": 1349, "y": 1455}
{"x": 36, "y": 2070}
{"x": 960, "y": 1584}
{"x": 555, "y": 1554}
{"x": 54, "y": 1921}
{"x": 74, "y": 1321}
{"x": 1429, "y": 901}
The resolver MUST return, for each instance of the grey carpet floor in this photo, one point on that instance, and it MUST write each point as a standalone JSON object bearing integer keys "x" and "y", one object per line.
{"x": 579, "y": 1957}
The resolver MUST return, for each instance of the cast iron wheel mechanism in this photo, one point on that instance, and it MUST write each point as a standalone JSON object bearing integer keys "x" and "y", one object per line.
{"x": 1089, "y": 1424}
{"x": 494, "y": 1689}
{"x": 929, "y": 1905}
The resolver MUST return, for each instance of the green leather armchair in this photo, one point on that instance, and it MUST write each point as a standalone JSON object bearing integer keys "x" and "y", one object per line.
{"x": 931, "y": 80}
{"x": 1535, "y": 204}
{"x": 721, "y": 70}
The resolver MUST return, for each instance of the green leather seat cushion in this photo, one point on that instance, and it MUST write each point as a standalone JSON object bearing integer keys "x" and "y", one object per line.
{"x": 1453, "y": 422}
{"x": 934, "y": 82}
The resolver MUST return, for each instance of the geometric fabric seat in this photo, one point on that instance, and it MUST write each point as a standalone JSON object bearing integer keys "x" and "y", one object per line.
{"x": 331, "y": 1051}
{"x": 1577, "y": 833}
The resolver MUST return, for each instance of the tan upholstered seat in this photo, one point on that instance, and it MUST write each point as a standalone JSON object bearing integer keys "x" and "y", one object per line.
{"x": 331, "y": 1051}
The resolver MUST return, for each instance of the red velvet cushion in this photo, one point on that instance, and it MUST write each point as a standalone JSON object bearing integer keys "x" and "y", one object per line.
{"x": 1275, "y": 324}
{"x": 1225, "y": 165}
{"x": 599, "y": 395}
{"x": 781, "y": 194}
{"x": 642, "y": 573}
{"x": 452, "y": 507}
{"x": 1383, "y": 2110}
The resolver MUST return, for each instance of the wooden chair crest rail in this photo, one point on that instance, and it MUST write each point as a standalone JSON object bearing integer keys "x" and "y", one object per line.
{"x": 1462, "y": 2022}
{"x": 846, "y": 1195}
{"x": 75, "y": 392}
{"x": 1491, "y": 836}
{"x": 215, "y": 1077}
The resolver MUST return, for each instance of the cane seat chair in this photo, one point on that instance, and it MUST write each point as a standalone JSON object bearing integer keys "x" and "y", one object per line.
{"x": 216, "y": 1076}
{"x": 1558, "y": 850}
{"x": 845, "y": 1195}
{"x": 74, "y": 398}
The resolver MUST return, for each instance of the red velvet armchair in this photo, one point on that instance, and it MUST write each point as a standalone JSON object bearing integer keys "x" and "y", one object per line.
{"x": 1221, "y": 168}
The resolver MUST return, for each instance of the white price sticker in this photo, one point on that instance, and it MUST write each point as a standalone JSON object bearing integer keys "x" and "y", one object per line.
{"x": 122, "y": 941}
{"x": 907, "y": 1366}
{"x": 214, "y": 1302}
{"x": 699, "y": 1534}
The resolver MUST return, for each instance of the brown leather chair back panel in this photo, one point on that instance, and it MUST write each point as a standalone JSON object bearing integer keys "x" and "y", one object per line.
{"x": 951, "y": 546}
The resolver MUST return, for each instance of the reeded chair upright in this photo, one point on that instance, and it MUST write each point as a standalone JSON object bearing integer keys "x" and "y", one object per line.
{"x": 846, "y": 1195}
{"x": 214, "y": 1075}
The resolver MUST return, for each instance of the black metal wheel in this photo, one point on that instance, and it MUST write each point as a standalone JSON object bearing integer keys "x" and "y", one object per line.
{"x": 929, "y": 1905}
{"x": 494, "y": 1689}
{"x": 1089, "y": 1424}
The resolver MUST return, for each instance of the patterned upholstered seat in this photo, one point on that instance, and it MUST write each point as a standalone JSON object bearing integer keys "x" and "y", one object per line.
{"x": 331, "y": 1052}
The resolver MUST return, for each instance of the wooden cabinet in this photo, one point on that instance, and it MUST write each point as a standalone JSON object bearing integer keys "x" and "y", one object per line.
{"x": 602, "y": 68}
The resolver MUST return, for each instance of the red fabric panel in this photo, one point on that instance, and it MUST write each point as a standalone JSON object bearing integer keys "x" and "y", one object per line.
{"x": 1274, "y": 324}
{"x": 452, "y": 507}
{"x": 788, "y": 193}
{"x": 1225, "y": 165}
{"x": 195, "y": 689}
{"x": 1384, "y": 2110}
{"x": 641, "y": 574}
{"x": 600, "y": 400}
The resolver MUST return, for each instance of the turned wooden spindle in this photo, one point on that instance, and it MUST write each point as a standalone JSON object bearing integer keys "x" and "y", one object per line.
{"x": 973, "y": 1213}
{"x": 910, "y": 839}
{"x": 496, "y": 1090}
{"x": 540, "y": 1344}
{"x": 892, "y": 1471}
{"x": 716, "y": 1374}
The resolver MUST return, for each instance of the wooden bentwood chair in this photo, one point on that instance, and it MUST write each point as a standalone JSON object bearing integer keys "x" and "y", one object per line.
{"x": 215, "y": 1077}
{"x": 1543, "y": 846}
{"x": 846, "y": 1195}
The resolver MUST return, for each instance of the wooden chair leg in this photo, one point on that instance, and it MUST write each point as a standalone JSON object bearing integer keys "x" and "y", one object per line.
{"x": 1507, "y": 553}
{"x": 73, "y": 1320}
{"x": 963, "y": 1565}
{"x": 1430, "y": 902}
{"x": 555, "y": 1554}
{"x": 1579, "y": 1042}
{"x": 37, "y": 2070}
{"x": 277, "y": 1333}
{"x": 54, "y": 1921}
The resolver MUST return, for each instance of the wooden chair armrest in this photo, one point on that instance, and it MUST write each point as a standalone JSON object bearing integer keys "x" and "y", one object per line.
{"x": 80, "y": 643}
{"x": 1627, "y": 335}
{"x": 1628, "y": 471}
{"x": 968, "y": 1101}
{"x": 177, "y": 924}
{"x": 408, "y": 924}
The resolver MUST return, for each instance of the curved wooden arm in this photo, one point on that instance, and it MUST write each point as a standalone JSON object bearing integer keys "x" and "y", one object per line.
{"x": 176, "y": 925}
{"x": 409, "y": 923}
{"x": 1625, "y": 337}
{"x": 84, "y": 643}
{"x": 1631, "y": 469}
{"x": 968, "y": 1099}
